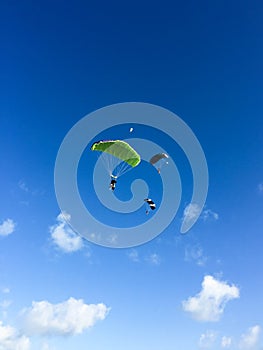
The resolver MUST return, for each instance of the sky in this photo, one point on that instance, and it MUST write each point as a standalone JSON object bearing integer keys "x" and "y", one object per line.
{"x": 61, "y": 61}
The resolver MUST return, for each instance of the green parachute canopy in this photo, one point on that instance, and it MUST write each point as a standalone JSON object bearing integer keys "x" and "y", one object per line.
{"x": 117, "y": 153}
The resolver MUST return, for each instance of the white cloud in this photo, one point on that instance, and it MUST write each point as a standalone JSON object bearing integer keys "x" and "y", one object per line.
{"x": 63, "y": 237}
{"x": 209, "y": 304}
{"x": 154, "y": 259}
{"x": 113, "y": 239}
{"x": 10, "y": 339}
{"x": 134, "y": 255}
{"x": 5, "y": 290}
{"x": 4, "y": 304}
{"x": 260, "y": 187}
{"x": 7, "y": 227}
{"x": 22, "y": 185}
{"x": 226, "y": 342}
{"x": 67, "y": 318}
{"x": 195, "y": 253}
{"x": 191, "y": 212}
{"x": 207, "y": 339}
{"x": 46, "y": 346}
{"x": 33, "y": 192}
{"x": 250, "y": 339}
{"x": 209, "y": 214}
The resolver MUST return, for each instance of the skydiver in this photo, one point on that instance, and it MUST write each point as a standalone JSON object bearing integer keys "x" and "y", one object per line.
{"x": 150, "y": 203}
{"x": 113, "y": 184}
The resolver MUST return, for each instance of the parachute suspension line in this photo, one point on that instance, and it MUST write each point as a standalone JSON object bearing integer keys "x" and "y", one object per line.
{"x": 158, "y": 161}
{"x": 119, "y": 156}
{"x": 106, "y": 162}
{"x": 110, "y": 160}
{"x": 114, "y": 164}
{"x": 162, "y": 163}
{"x": 122, "y": 168}
{"x": 117, "y": 167}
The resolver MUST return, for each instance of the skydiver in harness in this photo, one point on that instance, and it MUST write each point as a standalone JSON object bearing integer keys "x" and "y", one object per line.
{"x": 151, "y": 204}
{"x": 113, "y": 183}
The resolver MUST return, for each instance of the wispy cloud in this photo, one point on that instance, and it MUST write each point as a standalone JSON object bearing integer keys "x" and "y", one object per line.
{"x": 207, "y": 339}
{"x": 67, "y": 318}
{"x": 63, "y": 237}
{"x": 209, "y": 214}
{"x": 195, "y": 253}
{"x": 226, "y": 342}
{"x": 11, "y": 339}
{"x": 22, "y": 185}
{"x": 5, "y": 290}
{"x": 192, "y": 211}
{"x": 260, "y": 187}
{"x": 4, "y": 304}
{"x": 134, "y": 255}
{"x": 46, "y": 346}
{"x": 209, "y": 304}
{"x": 153, "y": 259}
{"x": 250, "y": 340}
{"x": 25, "y": 188}
{"x": 7, "y": 227}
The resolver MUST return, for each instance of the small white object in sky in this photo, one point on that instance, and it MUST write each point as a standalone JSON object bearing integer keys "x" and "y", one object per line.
{"x": 131, "y": 129}
{"x": 7, "y": 227}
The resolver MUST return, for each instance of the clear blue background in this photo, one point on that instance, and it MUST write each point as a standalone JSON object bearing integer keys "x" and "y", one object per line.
{"x": 61, "y": 60}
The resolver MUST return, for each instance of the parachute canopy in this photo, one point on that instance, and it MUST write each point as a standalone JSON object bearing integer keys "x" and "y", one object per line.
{"x": 119, "y": 149}
{"x": 158, "y": 157}
{"x": 114, "y": 151}
{"x": 158, "y": 160}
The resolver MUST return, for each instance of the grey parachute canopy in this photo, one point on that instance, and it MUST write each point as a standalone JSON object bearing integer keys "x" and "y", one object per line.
{"x": 158, "y": 157}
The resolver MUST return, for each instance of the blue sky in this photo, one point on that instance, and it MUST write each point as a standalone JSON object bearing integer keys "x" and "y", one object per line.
{"x": 61, "y": 61}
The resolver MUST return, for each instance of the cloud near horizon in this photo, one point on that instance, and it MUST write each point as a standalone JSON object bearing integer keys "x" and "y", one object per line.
{"x": 207, "y": 339}
{"x": 67, "y": 318}
{"x": 10, "y": 339}
{"x": 226, "y": 342}
{"x": 209, "y": 304}
{"x": 250, "y": 339}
